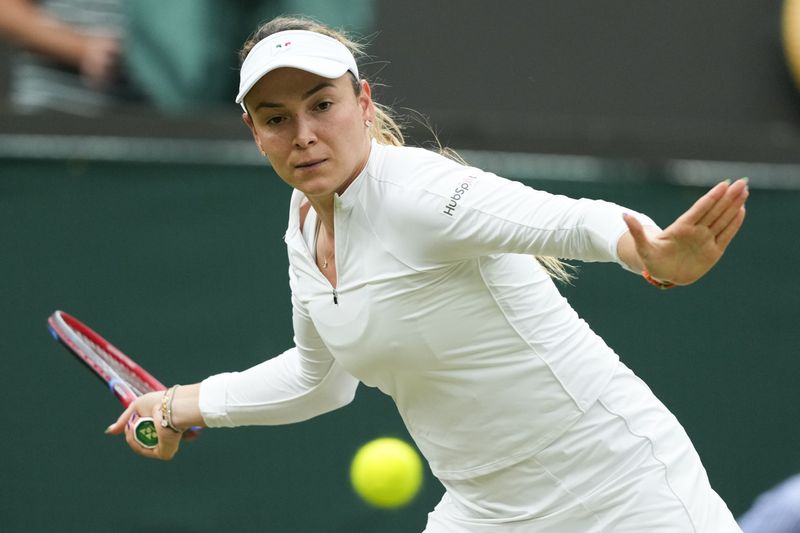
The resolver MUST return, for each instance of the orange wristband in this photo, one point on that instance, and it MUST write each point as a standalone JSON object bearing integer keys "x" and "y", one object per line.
{"x": 657, "y": 282}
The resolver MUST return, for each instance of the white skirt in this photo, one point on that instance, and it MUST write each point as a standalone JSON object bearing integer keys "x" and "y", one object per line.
{"x": 627, "y": 465}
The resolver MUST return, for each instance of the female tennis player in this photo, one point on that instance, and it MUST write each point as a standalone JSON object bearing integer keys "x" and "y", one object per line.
{"x": 413, "y": 273}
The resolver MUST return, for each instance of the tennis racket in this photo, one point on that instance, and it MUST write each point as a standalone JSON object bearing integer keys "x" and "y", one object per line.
{"x": 126, "y": 380}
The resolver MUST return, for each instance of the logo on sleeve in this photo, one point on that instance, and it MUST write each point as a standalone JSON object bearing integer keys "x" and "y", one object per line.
{"x": 458, "y": 194}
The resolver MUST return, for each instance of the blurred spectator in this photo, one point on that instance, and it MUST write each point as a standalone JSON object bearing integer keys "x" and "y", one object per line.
{"x": 70, "y": 55}
{"x": 775, "y": 511}
{"x": 86, "y": 56}
{"x": 179, "y": 51}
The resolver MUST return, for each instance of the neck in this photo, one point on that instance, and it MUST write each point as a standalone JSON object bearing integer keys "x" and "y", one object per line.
{"x": 324, "y": 209}
{"x": 323, "y": 205}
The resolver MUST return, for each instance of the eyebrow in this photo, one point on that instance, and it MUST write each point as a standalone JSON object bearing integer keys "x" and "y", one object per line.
{"x": 305, "y": 96}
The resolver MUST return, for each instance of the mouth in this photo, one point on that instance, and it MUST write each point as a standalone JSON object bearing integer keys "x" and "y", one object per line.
{"x": 311, "y": 163}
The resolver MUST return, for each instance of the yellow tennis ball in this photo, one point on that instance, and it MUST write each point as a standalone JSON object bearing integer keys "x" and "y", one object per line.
{"x": 386, "y": 472}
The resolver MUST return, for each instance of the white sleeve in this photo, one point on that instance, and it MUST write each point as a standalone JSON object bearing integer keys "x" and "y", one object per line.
{"x": 301, "y": 383}
{"x": 465, "y": 212}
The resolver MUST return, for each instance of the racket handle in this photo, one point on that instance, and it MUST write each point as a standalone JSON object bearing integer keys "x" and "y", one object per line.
{"x": 144, "y": 431}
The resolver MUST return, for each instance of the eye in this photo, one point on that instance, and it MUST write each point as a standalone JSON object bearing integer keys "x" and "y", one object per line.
{"x": 274, "y": 121}
{"x": 324, "y": 105}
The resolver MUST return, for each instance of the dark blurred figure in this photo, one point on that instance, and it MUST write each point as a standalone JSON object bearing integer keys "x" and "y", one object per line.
{"x": 184, "y": 53}
{"x": 790, "y": 31}
{"x": 775, "y": 511}
{"x": 70, "y": 57}
{"x": 87, "y": 56}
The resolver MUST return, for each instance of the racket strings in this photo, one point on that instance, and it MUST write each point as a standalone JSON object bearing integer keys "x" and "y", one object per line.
{"x": 99, "y": 354}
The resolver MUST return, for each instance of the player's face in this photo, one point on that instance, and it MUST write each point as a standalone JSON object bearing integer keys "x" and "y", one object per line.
{"x": 311, "y": 128}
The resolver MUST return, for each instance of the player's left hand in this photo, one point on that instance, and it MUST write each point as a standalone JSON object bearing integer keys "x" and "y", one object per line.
{"x": 688, "y": 248}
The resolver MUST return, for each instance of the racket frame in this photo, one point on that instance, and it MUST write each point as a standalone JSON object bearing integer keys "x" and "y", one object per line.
{"x": 68, "y": 330}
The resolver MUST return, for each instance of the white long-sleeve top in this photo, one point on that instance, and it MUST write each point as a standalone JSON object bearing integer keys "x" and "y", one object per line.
{"x": 440, "y": 305}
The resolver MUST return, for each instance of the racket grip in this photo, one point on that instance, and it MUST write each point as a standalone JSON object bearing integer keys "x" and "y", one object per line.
{"x": 144, "y": 432}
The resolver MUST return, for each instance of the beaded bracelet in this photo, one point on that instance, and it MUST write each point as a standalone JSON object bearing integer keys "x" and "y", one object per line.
{"x": 166, "y": 409}
{"x": 657, "y": 282}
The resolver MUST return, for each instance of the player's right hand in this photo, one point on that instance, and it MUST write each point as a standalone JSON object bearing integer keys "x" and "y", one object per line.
{"x": 147, "y": 405}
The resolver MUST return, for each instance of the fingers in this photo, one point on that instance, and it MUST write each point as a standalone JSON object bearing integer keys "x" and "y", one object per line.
{"x": 100, "y": 61}
{"x": 637, "y": 230}
{"x": 726, "y": 235}
{"x": 704, "y": 204}
{"x": 164, "y": 450}
{"x": 733, "y": 202}
{"x": 718, "y": 207}
{"x": 147, "y": 405}
{"x": 729, "y": 202}
{"x": 130, "y": 438}
{"x": 119, "y": 426}
{"x": 634, "y": 247}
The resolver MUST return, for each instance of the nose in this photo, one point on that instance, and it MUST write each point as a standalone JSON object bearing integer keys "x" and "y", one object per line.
{"x": 304, "y": 135}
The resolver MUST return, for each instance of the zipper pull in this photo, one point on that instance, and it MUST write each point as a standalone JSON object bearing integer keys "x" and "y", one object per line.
{"x": 335, "y": 296}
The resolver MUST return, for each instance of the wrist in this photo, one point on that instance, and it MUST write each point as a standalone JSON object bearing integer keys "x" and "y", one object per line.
{"x": 167, "y": 401}
{"x": 186, "y": 408}
{"x": 660, "y": 283}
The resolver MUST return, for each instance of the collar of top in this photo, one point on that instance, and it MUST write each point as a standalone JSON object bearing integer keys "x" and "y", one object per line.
{"x": 301, "y": 49}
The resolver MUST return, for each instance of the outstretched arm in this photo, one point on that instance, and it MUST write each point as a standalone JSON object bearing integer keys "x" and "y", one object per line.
{"x": 688, "y": 248}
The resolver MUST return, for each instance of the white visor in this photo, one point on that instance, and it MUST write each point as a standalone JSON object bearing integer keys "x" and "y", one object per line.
{"x": 301, "y": 49}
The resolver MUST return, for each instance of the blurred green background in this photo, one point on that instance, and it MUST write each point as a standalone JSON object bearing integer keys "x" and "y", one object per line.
{"x": 184, "y": 268}
{"x": 158, "y": 224}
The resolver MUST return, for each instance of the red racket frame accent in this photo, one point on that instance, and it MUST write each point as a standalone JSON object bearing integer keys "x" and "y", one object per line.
{"x": 125, "y": 395}
{"x": 122, "y": 391}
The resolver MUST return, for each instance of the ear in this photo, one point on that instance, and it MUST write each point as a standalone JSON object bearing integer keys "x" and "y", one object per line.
{"x": 248, "y": 120}
{"x": 365, "y": 101}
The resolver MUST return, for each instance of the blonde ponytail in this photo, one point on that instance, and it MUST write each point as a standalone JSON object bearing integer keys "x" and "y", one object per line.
{"x": 385, "y": 129}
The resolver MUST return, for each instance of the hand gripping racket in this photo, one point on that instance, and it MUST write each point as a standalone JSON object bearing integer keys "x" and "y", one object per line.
{"x": 124, "y": 377}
